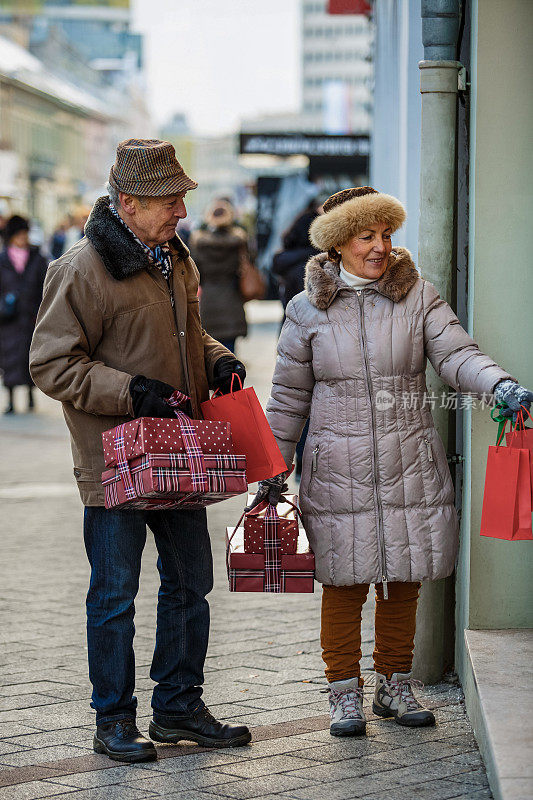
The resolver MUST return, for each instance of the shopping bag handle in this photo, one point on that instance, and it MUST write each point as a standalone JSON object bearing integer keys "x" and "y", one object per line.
{"x": 235, "y": 529}
{"x": 260, "y": 507}
{"x": 519, "y": 424}
{"x": 218, "y": 393}
{"x": 502, "y": 421}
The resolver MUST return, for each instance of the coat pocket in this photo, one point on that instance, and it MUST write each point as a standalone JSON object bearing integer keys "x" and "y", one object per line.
{"x": 313, "y": 467}
{"x": 432, "y": 459}
{"x": 83, "y": 474}
{"x": 437, "y": 465}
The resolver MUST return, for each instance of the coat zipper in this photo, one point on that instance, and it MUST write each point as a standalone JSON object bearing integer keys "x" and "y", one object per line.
{"x": 430, "y": 451}
{"x": 381, "y": 540}
{"x": 315, "y": 458}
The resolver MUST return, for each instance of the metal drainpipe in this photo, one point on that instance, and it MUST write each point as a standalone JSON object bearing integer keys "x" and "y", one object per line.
{"x": 439, "y": 75}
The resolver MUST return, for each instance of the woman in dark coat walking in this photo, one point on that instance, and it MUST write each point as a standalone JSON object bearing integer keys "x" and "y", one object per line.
{"x": 288, "y": 265}
{"x": 22, "y": 271}
{"x": 218, "y": 249}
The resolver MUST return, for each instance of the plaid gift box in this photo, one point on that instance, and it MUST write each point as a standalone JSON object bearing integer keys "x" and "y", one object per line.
{"x": 165, "y": 481}
{"x": 255, "y": 572}
{"x": 154, "y": 435}
{"x": 287, "y": 526}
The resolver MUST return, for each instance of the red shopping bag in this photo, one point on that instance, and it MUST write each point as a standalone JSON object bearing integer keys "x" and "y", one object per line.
{"x": 506, "y": 512}
{"x": 250, "y": 431}
{"x": 522, "y": 437}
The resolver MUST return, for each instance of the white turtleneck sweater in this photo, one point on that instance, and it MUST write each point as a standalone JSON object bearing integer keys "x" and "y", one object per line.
{"x": 354, "y": 281}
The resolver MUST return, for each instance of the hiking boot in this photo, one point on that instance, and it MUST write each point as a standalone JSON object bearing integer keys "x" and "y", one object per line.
{"x": 200, "y": 727}
{"x": 346, "y": 708}
{"x": 394, "y": 698}
{"x": 122, "y": 741}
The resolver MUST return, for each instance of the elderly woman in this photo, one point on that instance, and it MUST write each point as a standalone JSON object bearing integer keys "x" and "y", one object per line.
{"x": 376, "y": 493}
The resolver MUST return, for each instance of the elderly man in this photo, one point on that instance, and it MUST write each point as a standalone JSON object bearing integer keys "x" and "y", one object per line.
{"x": 118, "y": 330}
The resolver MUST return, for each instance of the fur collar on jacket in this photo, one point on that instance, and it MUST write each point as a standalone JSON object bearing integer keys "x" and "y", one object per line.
{"x": 121, "y": 254}
{"x": 322, "y": 280}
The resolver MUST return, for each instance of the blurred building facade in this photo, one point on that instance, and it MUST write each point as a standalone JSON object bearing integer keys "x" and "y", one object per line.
{"x": 336, "y": 97}
{"x": 395, "y": 153}
{"x": 63, "y": 106}
{"x": 336, "y": 70}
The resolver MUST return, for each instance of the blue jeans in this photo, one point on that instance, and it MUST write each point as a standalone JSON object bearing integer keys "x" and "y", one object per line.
{"x": 114, "y": 541}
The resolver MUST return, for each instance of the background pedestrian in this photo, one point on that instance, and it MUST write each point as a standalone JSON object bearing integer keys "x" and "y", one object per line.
{"x": 22, "y": 272}
{"x": 288, "y": 264}
{"x": 59, "y": 238}
{"x": 218, "y": 249}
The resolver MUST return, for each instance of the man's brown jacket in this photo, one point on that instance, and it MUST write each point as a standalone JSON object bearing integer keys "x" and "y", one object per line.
{"x": 107, "y": 315}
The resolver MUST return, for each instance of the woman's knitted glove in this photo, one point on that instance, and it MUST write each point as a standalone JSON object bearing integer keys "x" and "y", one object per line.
{"x": 514, "y": 396}
{"x": 270, "y": 490}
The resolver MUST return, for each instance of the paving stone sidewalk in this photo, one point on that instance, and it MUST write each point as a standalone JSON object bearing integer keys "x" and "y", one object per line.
{"x": 263, "y": 666}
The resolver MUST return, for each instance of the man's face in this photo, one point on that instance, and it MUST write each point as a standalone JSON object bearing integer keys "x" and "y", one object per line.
{"x": 153, "y": 219}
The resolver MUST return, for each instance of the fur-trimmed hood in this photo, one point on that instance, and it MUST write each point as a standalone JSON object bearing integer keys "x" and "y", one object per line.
{"x": 323, "y": 281}
{"x": 121, "y": 254}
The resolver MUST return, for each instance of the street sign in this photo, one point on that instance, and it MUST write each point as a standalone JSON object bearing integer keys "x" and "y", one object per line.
{"x": 306, "y": 144}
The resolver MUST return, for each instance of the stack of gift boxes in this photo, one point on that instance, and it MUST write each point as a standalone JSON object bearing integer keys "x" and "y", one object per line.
{"x": 270, "y": 552}
{"x": 171, "y": 463}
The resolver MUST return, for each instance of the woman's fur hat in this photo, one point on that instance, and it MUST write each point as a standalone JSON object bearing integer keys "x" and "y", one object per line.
{"x": 349, "y": 212}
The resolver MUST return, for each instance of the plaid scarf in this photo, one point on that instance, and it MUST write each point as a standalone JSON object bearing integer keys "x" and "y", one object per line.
{"x": 159, "y": 255}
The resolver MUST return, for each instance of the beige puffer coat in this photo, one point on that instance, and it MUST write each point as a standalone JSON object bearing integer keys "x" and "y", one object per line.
{"x": 376, "y": 492}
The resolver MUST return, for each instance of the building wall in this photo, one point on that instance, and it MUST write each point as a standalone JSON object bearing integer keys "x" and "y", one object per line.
{"x": 395, "y": 155}
{"x": 494, "y": 577}
{"x": 336, "y": 69}
{"x": 50, "y": 144}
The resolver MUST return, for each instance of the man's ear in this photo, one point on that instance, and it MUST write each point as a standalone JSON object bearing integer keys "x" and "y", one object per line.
{"x": 127, "y": 201}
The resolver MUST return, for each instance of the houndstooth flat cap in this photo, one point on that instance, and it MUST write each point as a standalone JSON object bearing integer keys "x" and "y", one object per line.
{"x": 148, "y": 168}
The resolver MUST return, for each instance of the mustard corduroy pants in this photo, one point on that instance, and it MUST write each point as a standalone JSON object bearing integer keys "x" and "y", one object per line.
{"x": 395, "y": 624}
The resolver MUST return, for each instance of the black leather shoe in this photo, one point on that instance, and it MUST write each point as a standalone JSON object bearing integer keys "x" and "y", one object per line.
{"x": 122, "y": 741}
{"x": 201, "y": 727}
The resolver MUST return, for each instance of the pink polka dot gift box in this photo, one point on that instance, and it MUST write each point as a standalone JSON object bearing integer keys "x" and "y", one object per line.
{"x": 286, "y": 527}
{"x": 153, "y": 435}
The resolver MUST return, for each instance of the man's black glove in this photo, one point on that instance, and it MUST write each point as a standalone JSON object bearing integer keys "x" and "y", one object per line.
{"x": 148, "y": 397}
{"x": 270, "y": 490}
{"x": 223, "y": 370}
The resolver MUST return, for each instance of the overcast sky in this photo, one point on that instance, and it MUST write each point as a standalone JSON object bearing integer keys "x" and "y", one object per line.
{"x": 220, "y": 60}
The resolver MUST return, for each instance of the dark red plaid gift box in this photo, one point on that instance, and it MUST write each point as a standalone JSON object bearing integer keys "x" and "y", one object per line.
{"x": 270, "y": 571}
{"x": 287, "y": 526}
{"x": 165, "y": 481}
{"x": 254, "y": 572}
{"x": 154, "y": 435}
